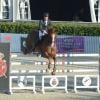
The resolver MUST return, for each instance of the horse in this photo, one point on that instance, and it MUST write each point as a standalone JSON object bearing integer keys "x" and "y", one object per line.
{"x": 46, "y": 46}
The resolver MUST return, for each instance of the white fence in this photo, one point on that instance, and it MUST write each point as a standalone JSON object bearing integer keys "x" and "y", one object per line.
{"x": 91, "y": 43}
{"x": 87, "y": 82}
{"x": 20, "y": 81}
{"x": 49, "y": 82}
{"x": 54, "y": 82}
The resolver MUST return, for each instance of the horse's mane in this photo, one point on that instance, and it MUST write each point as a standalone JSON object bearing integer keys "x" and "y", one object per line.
{"x": 51, "y": 30}
{"x": 45, "y": 39}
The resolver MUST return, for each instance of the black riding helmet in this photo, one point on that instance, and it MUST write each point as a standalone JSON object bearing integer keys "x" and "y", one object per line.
{"x": 46, "y": 15}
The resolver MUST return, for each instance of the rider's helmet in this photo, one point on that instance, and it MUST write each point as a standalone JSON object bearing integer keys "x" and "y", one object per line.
{"x": 46, "y": 15}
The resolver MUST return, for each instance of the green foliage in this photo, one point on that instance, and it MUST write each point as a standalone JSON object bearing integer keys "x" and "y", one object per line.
{"x": 80, "y": 29}
{"x": 18, "y": 27}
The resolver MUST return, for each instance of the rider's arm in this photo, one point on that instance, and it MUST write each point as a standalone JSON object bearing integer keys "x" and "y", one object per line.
{"x": 40, "y": 25}
{"x": 50, "y": 23}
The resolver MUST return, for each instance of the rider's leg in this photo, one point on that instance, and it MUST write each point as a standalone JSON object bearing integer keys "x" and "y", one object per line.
{"x": 36, "y": 40}
{"x": 40, "y": 35}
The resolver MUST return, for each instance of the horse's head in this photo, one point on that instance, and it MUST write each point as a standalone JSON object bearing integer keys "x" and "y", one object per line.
{"x": 52, "y": 32}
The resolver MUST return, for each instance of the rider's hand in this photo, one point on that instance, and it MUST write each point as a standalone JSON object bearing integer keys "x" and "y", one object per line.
{"x": 44, "y": 31}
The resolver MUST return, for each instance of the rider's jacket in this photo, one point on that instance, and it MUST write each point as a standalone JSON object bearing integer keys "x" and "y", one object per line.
{"x": 43, "y": 25}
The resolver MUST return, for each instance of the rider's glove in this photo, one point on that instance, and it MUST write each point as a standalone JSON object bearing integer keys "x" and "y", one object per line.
{"x": 44, "y": 31}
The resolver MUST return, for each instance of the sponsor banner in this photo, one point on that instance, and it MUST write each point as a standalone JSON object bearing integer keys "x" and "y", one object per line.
{"x": 23, "y": 43}
{"x": 70, "y": 44}
{"x": 4, "y": 66}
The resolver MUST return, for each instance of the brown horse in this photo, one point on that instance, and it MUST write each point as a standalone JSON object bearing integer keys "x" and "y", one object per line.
{"x": 46, "y": 46}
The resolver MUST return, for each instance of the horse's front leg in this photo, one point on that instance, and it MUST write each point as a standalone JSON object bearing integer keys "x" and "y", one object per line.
{"x": 49, "y": 64}
{"x": 54, "y": 68}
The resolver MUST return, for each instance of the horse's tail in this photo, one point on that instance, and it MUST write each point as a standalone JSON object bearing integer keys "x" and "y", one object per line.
{"x": 30, "y": 43}
{"x": 24, "y": 50}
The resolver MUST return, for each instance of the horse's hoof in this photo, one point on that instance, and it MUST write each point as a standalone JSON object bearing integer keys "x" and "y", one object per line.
{"x": 53, "y": 73}
{"x": 48, "y": 70}
{"x": 54, "y": 69}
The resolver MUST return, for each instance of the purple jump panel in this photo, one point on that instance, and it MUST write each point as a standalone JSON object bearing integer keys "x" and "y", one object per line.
{"x": 70, "y": 44}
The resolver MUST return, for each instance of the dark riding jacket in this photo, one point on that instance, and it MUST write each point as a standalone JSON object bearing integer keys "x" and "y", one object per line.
{"x": 43, "y": 25}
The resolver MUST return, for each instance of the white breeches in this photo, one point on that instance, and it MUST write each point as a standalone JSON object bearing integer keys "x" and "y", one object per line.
{"x": 42, "y": 33}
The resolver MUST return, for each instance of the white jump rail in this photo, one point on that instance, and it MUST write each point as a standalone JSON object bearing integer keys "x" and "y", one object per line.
{"x": 62, "y": 62}
{"x": 57, "y": 71}
{"x": 54, "y": 87}
{"x": 14, "y": 55}
{"x": 86, "y": 82}
{"x": 69, "y": 63}
{"x": 77, "y": 55}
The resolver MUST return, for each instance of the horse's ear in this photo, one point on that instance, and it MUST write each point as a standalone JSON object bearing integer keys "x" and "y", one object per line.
{"x": 55, "y": 29}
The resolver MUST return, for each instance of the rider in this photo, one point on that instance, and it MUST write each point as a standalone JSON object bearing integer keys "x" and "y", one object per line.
{"x": 43, "y": 25}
